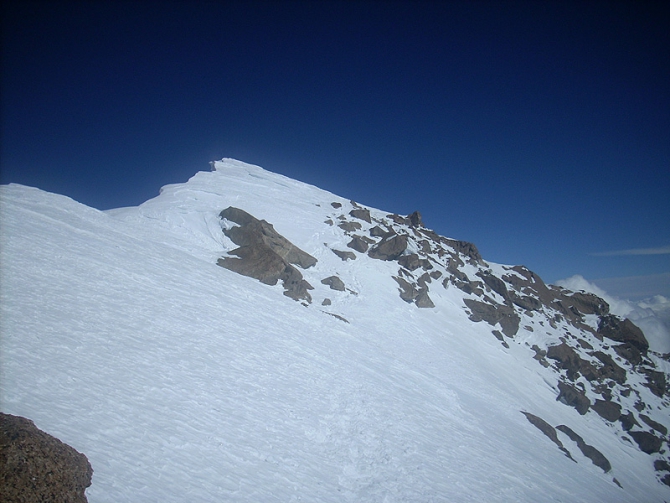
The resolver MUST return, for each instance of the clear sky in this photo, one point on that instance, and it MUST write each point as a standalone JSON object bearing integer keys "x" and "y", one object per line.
{"x": 539, "y": 131}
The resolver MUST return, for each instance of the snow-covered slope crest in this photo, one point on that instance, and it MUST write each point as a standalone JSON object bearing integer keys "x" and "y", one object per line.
{"x": 185, "y": 381}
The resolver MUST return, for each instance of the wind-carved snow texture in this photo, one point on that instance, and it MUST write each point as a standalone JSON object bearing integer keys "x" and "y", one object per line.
{"x": 411, "y": 376}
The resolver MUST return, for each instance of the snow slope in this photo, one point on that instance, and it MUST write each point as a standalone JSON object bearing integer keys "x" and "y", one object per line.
{"x": 184, "y": 381}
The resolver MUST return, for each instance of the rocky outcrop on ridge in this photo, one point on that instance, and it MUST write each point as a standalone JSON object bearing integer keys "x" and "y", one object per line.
{"x": 36, "y": 467}
{"x": 600, "y": 365}
{"x": 265, "y": 254}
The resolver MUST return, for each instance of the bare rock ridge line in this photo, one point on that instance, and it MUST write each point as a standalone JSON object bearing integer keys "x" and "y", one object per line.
{"x": 266, "y": 255}
{"x": 601, "y": 365}
{"x": 36, "y": 467}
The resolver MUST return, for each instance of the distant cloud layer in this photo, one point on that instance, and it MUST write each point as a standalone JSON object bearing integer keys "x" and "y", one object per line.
{"x": 652, "y": 315}
{"x": 663, "y": 250}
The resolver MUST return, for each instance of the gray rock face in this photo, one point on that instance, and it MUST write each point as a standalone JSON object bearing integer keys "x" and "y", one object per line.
{"x": 596, "y": 457}
{"x": 647, "y": 442}
{"x": 334, "y": 283}
{"x": 573, "y": 397}
{"x": 390, "y": 248}
{"x": 361, "y": 214}
{"x": 607, "y": 409}
{"x": 265, "y": 255}
{"x": 345, "y": 255}
{"x": 548, "y": 430}
{"x": 623, "y": 331}
{"x": 358, "y": 244}
{"x": 36, "y": 467}
{"x": 492, "y": 314}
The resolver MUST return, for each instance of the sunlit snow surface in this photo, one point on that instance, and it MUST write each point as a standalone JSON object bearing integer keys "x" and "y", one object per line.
{"x": 185, "y": 382}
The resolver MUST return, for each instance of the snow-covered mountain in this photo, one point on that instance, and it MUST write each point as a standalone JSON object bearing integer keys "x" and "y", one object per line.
{"x": 248, "y": 337}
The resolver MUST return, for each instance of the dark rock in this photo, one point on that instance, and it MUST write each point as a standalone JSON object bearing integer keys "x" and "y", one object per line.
{"x": 492, "y": 314}
{"x": 378, "y": 232}
{"x": 666, "y": 480}
{"x": 629, "y": 353}
{"x": 389, "y": 248}
{"x": 655, "y": 381}
{"x": 334, "y": 283}
{"x": 655, "y": 425}
{"x": 623, "y": 331}
{"x": 423, "y": 300}
{"x": 647, "y": 442}
{"x": 407, "y": 291}
{"x": 548, "y": 430}
{"x": 410, "y": 262}
{"x": 588, "y": 303}
{"x": 265, "y": 255}
{"x": 252, "y": 231}
{"x": 345, "y": 255}
{"x": 336, "y": 205}
{"x": 607, "y": 410}
{"x": 495, "y": 284}
{"x": 569, "y": 395}
{"x": 350, "y": 226}
{"x": 609, "y": 370}
{"x": 661, "y": 465}
{"x": 397, "y": 219}
{"x": 326, "y": 302}
{"x": 569, "y": 360}
{"x": 526, "y": 302}
{"x": 628, "y": 421}
{"x": 596, "y": 457}
{"x": 464, "y": 248}
{"x": 361, "y": 214}
{"x": 358, "y": 244}
{"x": 539, "y": 353}
{"x": 415, "y": 219}
{"x": 36, "y": 467}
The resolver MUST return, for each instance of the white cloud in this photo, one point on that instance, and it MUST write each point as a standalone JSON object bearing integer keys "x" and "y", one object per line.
{"x": 652, "y": 315}
{"x": 663, "y": 250}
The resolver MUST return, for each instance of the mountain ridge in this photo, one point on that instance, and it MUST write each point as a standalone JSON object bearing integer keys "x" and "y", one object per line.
{"x": 383, "y": 295}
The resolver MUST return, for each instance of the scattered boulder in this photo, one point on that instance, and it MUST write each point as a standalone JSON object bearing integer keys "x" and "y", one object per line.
{"x": 492, "y": 314}
{"x": 390, "y": 248}
{"x": 624, "y": 331}
{"x": 345, "y": 255}
{"x": 350, "y": 226}
{"x": 378, "y": 232}
{"x": 423, "y": 300}
{"x": 647, "y": 442}
{"x": 569, "y": 395}
{"x": 596, "y": 457}
{"x": 415, "y": 219}
{"x": 407, "y": 291}
{"x": 361, "y": 214}
{"x": 326, "y": 302}
{"x": 609, "y": 370}
{"x": 569, "y": 360}
{"x": 607, "y": 409}
{"x": 358, "y": 244}
{"x": 495, "y": 284}
{"x": 655, "y": 425}
{"x": 656, "y": 381}
{"x": 588, "y": 303}
{"x": 410, "y": 262}
{"x": 334, "y": 283}
{"x": 265, "y": 255}
{"x": 336, "y": 205}
{"x": 36, "y": 467}
{"x": 548, "y": 430}
{"x": 628, "y": 421}
{"x": 252, "y": 231}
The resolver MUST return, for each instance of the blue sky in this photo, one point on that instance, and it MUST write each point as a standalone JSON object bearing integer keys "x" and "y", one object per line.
{"x": 539, "y": 131}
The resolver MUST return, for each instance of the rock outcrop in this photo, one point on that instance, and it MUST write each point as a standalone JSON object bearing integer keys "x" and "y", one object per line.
{"x": 36, "y": 467}
{"x": 265, "y": 255}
